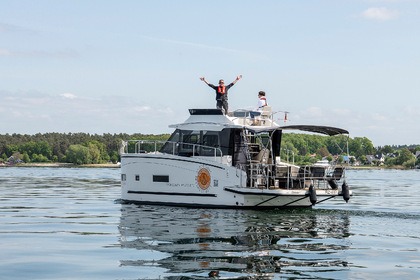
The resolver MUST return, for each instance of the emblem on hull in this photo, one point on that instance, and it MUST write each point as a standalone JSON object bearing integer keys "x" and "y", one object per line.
{"x": 203, "y": 178}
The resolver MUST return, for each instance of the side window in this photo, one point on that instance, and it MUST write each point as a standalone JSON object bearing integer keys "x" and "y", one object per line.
{"x": 211, "y": 140}
{"x": 161, "y": 178}
{"x": 189, "y": 139}
{"x": 170, "y": 145}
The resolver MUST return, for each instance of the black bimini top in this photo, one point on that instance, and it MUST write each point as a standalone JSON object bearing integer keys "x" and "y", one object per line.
{"x": 327, "y": 130}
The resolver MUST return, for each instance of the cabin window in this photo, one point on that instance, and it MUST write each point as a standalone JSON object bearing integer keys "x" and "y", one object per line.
{"x": 190, "y": 142}
{"x": 161, "y": 178}
{"x": 123, "y": 177}
{"x": 193, "y": 138}
{"x": 210, "y": 140}
{"x": 210, "y": 144}
{"x": 137, "y": 177}
{"x": 171, "y": 146}
{"x": 196, "y": 142}
{"x": 227, "y": 140}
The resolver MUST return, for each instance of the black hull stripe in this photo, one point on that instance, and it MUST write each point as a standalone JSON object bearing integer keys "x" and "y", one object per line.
{"x": 174, "y": 159}
{"x": 207, "y": 206}
{"x": 174, "y": 193}
{"x": 263, "y": 194}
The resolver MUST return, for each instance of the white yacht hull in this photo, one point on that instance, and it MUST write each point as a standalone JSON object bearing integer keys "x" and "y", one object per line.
{"x": 225, "y": 161}
{"x": 200, "y": 182}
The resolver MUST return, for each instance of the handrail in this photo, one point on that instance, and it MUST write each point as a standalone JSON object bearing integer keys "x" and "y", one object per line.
{"x": 263, "y": 175}
{"x": 154, "y": 146}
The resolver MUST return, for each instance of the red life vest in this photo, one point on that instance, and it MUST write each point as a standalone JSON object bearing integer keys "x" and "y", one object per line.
{"x": 221, "y": 90}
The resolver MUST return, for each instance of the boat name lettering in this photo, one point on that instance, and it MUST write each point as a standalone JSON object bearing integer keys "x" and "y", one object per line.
{"x": 180, "y": 185}
{"x": 331, "y": 192}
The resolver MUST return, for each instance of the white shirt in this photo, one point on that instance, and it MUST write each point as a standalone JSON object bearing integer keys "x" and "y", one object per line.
{"x": 262, "y": 102}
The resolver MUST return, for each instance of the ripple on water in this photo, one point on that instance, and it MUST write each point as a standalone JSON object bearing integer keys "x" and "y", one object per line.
{"x": 68, "y": 224}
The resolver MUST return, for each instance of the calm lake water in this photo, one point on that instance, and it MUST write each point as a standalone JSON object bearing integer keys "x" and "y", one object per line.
{"x": 67, "y": 223}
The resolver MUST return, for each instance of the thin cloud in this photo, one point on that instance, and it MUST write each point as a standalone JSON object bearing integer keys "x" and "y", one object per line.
{"x": 166, "y": 110}
{"x": 68, "y": 95}
{"x": 380, "y": 14}
{"x": 342, "y": 112}
{"x": 33, "y": 112}
{"x": 208, "y": 47}
{"x": 142, "y": 109}
{"x": 38, "y": 53}
{"x": 5, "y": 52}
{"x": 315, "y": 112}
{"x": 412, "y": 111}
{"x": 378, "y": 117}
{"x": 23, "y": 31}
{"x": 9, "y": 28}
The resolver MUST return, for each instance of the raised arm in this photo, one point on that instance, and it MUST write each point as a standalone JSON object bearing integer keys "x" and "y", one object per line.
{"x": 237, "y": 79}
{"x": 204, "y": 80}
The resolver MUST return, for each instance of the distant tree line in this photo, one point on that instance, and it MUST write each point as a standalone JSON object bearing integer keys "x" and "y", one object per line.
{"x": 309, "y": 148}
{"x": 76, "y": 148}
{"x": 403, "y": 155}
{"x": 85, "y": 148}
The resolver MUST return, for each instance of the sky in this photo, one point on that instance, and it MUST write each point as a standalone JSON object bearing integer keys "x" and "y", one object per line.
{"x": 108, "y": 66}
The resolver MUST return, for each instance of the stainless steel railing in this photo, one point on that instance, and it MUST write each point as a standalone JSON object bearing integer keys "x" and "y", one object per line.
{"x": 174, "y": 148}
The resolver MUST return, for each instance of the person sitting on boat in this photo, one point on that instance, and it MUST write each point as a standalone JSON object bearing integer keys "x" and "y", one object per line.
{"x": 262, "y": 102}
{"x": 222, "y": 93}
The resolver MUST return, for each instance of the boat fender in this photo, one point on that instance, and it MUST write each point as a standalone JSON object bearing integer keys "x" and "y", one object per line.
{"x": 333, "y": 184}
{"x": 312, "y": 194}
{"x": 214, "y": 274}
{"x": 345, "y": 191}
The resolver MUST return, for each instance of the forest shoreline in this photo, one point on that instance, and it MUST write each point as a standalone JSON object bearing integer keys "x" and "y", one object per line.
{"x": 63, "y": 165}
{"x": 117, "y": 165}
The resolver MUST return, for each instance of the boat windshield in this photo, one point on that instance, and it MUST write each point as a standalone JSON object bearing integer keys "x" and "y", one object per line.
{"x": 197, "y": 142}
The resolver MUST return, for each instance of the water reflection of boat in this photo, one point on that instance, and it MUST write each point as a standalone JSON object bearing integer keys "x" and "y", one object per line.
{"x": 226, "y": 161}
{"x": 189, "y": 243}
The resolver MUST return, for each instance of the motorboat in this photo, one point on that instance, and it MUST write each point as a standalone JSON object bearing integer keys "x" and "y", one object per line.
{"x": 218, "y": 160}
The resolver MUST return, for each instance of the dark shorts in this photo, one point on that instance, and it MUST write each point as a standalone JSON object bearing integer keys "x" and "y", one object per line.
{"x": 222, "y": 104}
